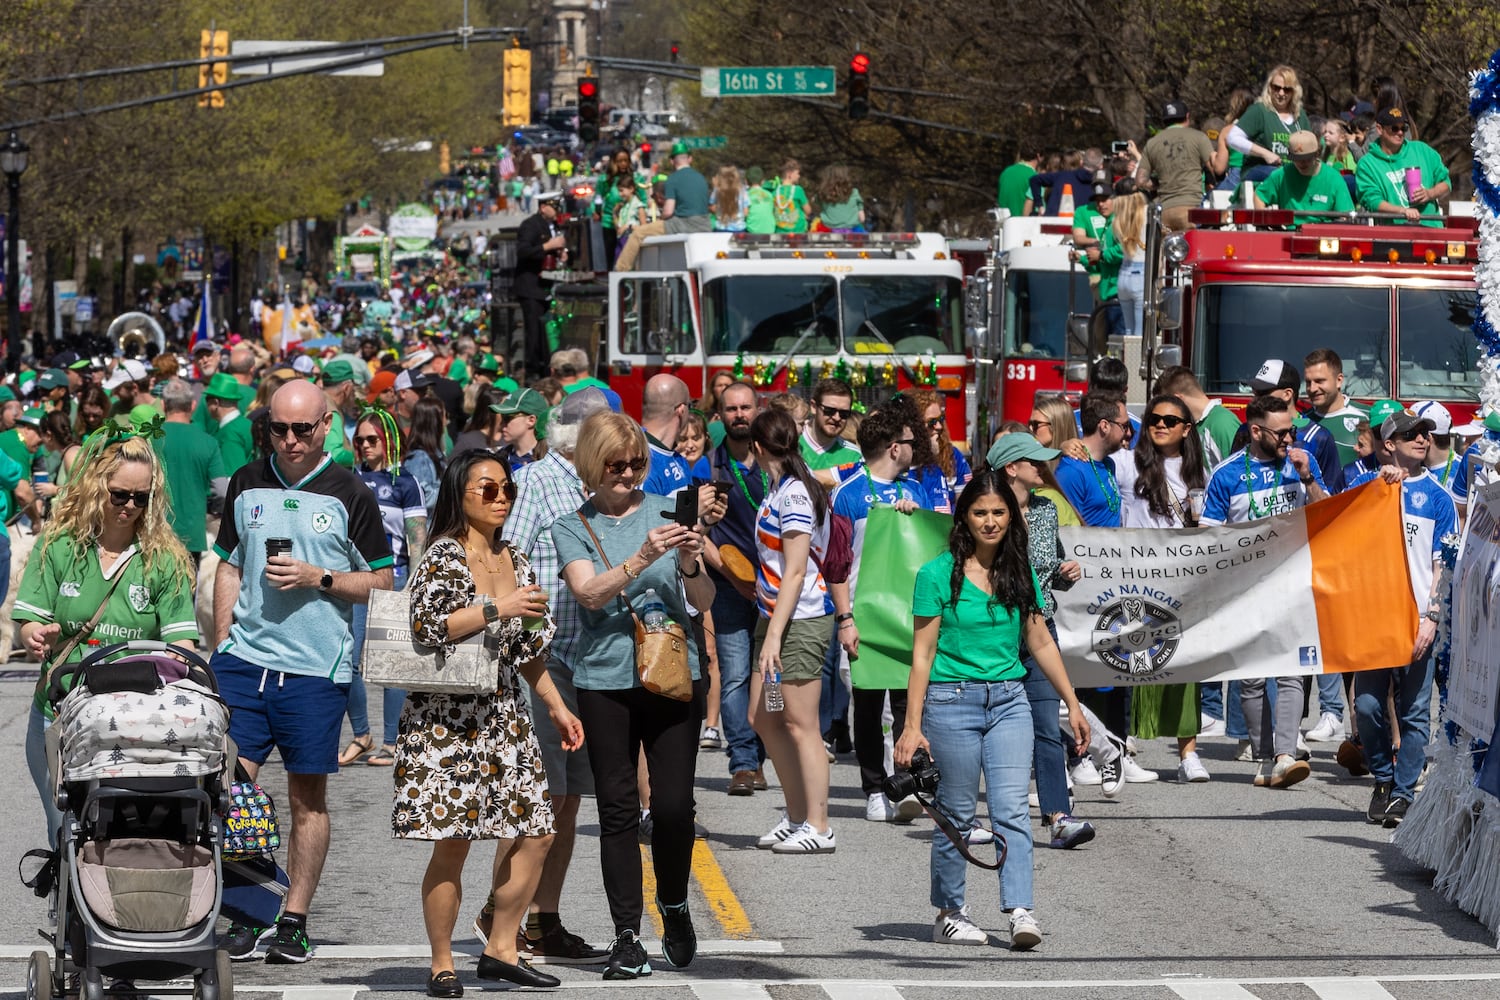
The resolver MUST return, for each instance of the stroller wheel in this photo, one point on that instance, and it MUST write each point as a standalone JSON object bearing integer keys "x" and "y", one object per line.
{"x": 216, "y": 983}
{"x": 39, "y": 977}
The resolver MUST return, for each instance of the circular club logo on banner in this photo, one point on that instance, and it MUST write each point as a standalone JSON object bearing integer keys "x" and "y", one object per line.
{"x": 1136, "y": 636}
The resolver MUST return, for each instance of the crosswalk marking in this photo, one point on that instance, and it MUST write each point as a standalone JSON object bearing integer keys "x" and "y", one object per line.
{"x": 1349, "y": 989}
{"x": 1210, "y": 990}
{"x": 861, "y": 991}
{"x": 729, "y": 990}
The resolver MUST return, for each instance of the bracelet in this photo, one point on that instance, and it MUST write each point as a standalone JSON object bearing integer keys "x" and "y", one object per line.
{"x": 625, "y": 565}
{"x": 847, "y": 616}
{"x": 849, "y": 622}
{"x": 1306, "y": 480}
{"x": 697, "y": 569}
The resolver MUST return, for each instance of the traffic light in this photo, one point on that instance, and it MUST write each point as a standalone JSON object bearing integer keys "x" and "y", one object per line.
{"x": 213, "y": 44}
{"x": 676, "y": 50}
{"x": 859, "y": 86}
{"x": 517, "y": 84}
{"x": 588, "y": 108}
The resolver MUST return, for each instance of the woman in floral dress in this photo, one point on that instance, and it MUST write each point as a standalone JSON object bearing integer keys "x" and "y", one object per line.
{"x": 468, "y": 766}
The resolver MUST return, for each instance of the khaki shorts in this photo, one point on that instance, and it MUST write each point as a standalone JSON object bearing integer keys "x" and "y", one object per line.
{"x": 803, "y": 647}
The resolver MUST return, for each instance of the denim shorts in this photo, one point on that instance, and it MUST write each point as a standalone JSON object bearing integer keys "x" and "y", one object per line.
{"x": 300, "y": 716}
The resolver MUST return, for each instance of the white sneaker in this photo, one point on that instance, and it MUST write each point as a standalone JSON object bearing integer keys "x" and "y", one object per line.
{"x": 1191, "y": 769}
{"x": 806, "y": 840}
{"x": 1209, "y": 726}
{"x": 777, "y": 834}
{"x": 1033, "y": 801}
{"x": 908, "y": 809}
{"x": 957, "y": 928}
{"x": 1084, "y": 772}
{"x": 1134, "y": 773}
{"x": 1304, "y": 752}
{"x": 1329, "y": 728}
{"x": 1246, "y": 754}
{"x": 878, "y": 809}
{"x": 1024, "y": 932}
{"x": 711, "y": 739}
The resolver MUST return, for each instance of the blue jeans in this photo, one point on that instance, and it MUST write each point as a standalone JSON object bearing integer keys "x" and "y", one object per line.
{"x": 1211, "y": 699}
{"x": 981, "y": 728}
{"x": 36, "y": 763}
{"x": 833, "y": 706}
{"x": 1331, "y": 694}
{"x": 392, "y": 699}
{"x": 1414, "y": 715}
{"x": 734, "y": 637}
{"x": 1050, "y": 756}
{"x": 1132, "y": 295}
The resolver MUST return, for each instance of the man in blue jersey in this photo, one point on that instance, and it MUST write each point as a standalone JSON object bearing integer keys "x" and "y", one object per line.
{"x": 664, "y": 407}
{"x": 1281, "y": 378}
{"x": 1090, "y": 484}
{"x": 1427, "y": 514}
{"x": 1477, "y": 466}
{"x": 886, "y": 439}
{"x": 1267, "y": 477}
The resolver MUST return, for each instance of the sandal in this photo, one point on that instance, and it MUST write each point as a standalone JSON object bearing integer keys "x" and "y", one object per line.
{"x": 357, "y": 748}
{"x": 384, "y": 757}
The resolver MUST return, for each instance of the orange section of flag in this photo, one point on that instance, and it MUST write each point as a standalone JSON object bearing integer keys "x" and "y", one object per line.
{"x": 1361, "y": 584}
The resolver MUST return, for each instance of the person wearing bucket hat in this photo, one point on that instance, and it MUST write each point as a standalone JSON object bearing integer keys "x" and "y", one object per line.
{"x": 1428, "y": 514}
{"x": 222, "y": 399}
{"x": 686, "y": 209}
{"x": 342, "y": 390}
{"x": 522, "y": 427}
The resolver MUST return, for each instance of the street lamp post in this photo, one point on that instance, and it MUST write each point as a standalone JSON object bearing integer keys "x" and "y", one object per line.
{"x": 13, "y": 165}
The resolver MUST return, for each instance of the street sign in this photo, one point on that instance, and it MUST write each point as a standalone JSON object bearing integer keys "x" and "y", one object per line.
{"x": 278, "y": 62}
{"x": 768, "y": 81}
{"x": 704, "y": 141}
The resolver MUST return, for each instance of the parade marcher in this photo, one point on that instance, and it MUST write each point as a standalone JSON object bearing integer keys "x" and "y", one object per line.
{"x": 231, "y": 428}
{"x": 973, "y": 606}
{"x": 823, "y": 446}
{"x": 1306, "y": 184}
{"x": 1090, "y": 484}
{"x": 664, "y": 405}
{"x": 1442, "y": 457}
{"x": 194, "y": 468}
{"x": 1178, "y": 156}
{"x": 301, "y": 543}
{"x": 686, "y": 209}
{"x": 1428, "y": 514}
{"x": 1283, "y": 379}
{"x": 522, "y": 429}
{"x": 537, "y": 239}
{"x": 1216, "y": 424}
{"x": 949, "y": 472}
{"x": 1250, "y": 484}
{"x": 1381, "y": 179}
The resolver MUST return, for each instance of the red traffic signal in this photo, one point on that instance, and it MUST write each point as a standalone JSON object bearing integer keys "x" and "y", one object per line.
{"x": 588, "y": 108}
{"x": 588, "y": 88}
{"x": 860, "y": 63}
{"x": 859, "y": 86}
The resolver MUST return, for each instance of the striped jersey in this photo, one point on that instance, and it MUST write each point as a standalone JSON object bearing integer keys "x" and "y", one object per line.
{"x": 1428, "y": 514}
{"x": 1274, "y": 488}
{"x": 400, "y": 499}
{"x": 786, "y": 509}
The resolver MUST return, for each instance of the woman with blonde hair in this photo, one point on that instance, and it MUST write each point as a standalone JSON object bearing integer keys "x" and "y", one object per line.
{"x": 1123, "y": 253}
{"x": 1269, "y": 124}
{"x": 1052, "y": 425}
{"x": 730, "y": 201}
{"x": 111, "y": 541}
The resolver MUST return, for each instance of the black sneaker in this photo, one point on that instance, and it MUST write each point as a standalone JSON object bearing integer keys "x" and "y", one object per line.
{"x": 1395, "y": 812}
{"x": 557, "y": 947}
{"x": 290, "y": 946}
{"x": 627, "y": 959}
{"x": 679, "y": 942}
{"x": 241, "y": 942}
{"x": 1380, "y": 801}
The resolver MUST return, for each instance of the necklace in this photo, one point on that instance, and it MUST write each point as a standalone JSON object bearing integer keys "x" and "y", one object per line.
{"x": 1447, "y": 467}
{"x": 765, "y": 482}
{"x": 1110, "y": 491}
{"x": 1250, "y": 481}
{"x": 875, "y": 496}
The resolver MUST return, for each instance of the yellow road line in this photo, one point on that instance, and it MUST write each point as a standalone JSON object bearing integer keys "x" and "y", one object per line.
{"x": 722, "y": 901}
{"x": 648, "y": 890}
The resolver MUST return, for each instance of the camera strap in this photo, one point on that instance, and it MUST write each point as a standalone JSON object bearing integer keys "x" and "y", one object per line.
{"x": 956, "y": 836}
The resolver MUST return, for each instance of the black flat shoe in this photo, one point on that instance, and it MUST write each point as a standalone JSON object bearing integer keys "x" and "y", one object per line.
{"x": 522, "y": 974}
{"x": 445, "y": 984}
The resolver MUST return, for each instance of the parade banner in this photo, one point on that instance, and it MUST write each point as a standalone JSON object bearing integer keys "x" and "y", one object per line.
{"x": 1474, "y": 676}
{"x": 895, "y": 547}
{"x": 1325, "y": 589}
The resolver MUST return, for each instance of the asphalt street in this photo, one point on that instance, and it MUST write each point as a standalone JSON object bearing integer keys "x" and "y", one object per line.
{"x": 1218, "y": 891}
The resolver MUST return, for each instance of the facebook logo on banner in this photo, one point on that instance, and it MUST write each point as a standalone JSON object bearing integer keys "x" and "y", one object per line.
{"x": 1307, "y": 656}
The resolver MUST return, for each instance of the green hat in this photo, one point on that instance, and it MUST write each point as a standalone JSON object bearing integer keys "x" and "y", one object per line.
{"x": 488, "y": 364}
{"x": 679, "y": 148}
{"x": 26, "y": 376}
{"x": 1382, "y": 408}
{"x": 143, "y": 413}
{"x": 507, "y": 384}
{"x": 53, "y": 378}
{"x": 223, "y": 386}
{"x": 1018, "y": 447}
{"x": 32, "y": 417}
{"x": 336, "y": 372}
{"x": 1491, "y": 419}
{"x": 6, "y": 395}
{"x": 525, "y": 401}
{"x": 82, "y": 364}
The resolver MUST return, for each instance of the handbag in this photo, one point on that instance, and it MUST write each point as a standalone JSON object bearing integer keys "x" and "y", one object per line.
{"x": 393, "y": 658}
{"x": 661, "y": 659}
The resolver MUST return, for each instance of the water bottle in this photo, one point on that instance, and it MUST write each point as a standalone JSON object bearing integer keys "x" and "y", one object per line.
{"x": 655, "y": 615}
{"x": 774, "y": 701}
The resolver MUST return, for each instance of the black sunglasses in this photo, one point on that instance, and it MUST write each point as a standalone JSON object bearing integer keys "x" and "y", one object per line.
{"x": 367, "y": 439}
{"x": 910, "y": 440}
{"x": 618, "y": 468}
{"x": 302, "y": 429}
{"x": 833, "y": 411}
{"x": 1281, "y": 435}
{"x": 1037, "y": 425}
{"x": 1411, "y": 435}
{"x": 934, "y": 423}
{"x": 491, "y": 490}
{"x": 120, "y": 498}
{"x": 1167, "y": 420}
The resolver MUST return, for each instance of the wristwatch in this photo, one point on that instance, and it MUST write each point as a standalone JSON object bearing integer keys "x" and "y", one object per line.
{"x": 326, "y": 581}
{"x": 1431, "y": 616}
{"x": 491, "y": 613}
{"x": 1306, "y": 480}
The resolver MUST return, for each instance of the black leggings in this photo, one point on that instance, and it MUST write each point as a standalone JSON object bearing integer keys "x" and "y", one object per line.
{"x": 617, "y": 725}
{"x": 869, "y": 735}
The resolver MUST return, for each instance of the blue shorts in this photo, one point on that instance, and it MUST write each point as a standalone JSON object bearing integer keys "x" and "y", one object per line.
{"x": 300, "y": 716}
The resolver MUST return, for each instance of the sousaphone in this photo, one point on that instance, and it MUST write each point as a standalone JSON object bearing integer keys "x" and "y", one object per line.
{"x": 132, "y": 331}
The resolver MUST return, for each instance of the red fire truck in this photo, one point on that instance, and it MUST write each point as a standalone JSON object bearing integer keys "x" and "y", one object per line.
{"x": 882, "y": 310}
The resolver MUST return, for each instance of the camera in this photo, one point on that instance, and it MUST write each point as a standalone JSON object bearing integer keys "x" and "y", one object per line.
{"x": 921, "y": 776}
{"x": 1119, "y": 147}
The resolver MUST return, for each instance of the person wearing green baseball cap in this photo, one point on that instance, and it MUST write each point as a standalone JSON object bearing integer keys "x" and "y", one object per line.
{"x": 1367, "y": 443}
{"x": 342, "y": 390}
{"x": 230, "y": 427}
{"x": 522, "y": 427}
{"x": 685, "y": 210}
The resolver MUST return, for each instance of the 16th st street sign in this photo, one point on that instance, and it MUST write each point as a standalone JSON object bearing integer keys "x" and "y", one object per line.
{"x": 768, "y": 81}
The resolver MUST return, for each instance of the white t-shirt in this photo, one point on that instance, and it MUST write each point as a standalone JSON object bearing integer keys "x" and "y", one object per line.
{"x": 1135, "y": 512}
{"x": 787, "y": 509}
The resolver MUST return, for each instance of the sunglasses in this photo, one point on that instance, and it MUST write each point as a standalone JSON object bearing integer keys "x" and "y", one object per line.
{"x": 491, "y": 490}
{"x": 1411, "y": 435}
{"x": 618, "y": 468}
{"x": 1284, "y": 434}
{"x": 1124, "y": 425}
{"x": 933, "y": 423}
{"x": 910, "y": 440}
{"x": 1281, "y": 90}
{"x": 368, "y": 439}
{"x": 1037, "y": 425}
{"x": 1167, "y": 420}
{"x": 280, "y": 428}
{"x": 831, "y": 412}
{"x": 120, "y": 498}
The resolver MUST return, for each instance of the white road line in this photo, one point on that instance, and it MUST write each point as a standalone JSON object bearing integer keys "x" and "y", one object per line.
{"x": 730, "y": 990}
{"x": 1211, "y": 990}
{"x": 1349, "y": 989}
{"x": 861, "y": 991}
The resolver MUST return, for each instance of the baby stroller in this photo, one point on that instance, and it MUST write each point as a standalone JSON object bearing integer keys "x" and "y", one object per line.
{"x": 138, "y": 756}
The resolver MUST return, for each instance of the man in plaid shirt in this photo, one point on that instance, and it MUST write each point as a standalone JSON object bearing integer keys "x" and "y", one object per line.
{"x": 548, "y": 490}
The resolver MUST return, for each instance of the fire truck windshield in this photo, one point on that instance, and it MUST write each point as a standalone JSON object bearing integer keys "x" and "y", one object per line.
{"x": 1239, "y": 326}
{"x": 1036, "y": 310}
{"x": 914, "y": 314}
{"x": 768, "y": 314}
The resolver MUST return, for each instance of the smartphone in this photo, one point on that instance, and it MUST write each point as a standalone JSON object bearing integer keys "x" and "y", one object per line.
{"x": 721, "y": 486}
{"x": 278, "y": 547}
{"x": 686, "y": 512}
{"x": 1119, "y": 146}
